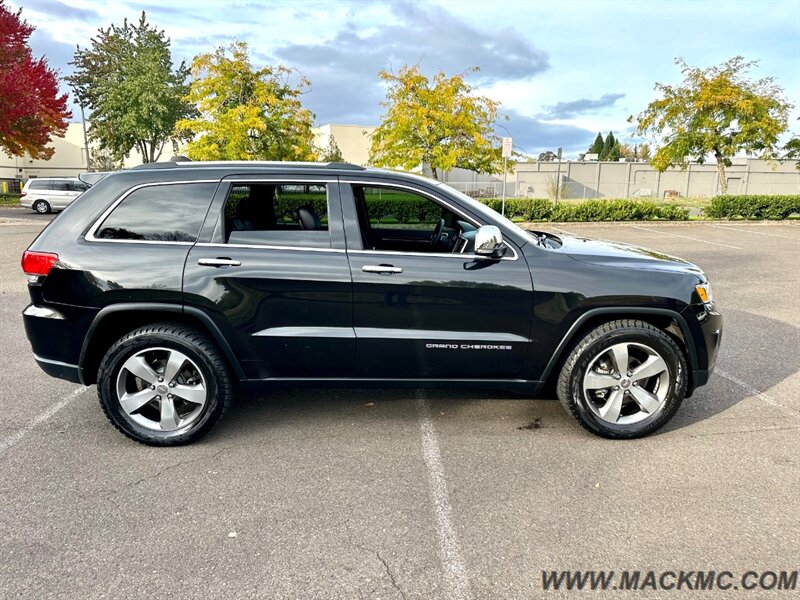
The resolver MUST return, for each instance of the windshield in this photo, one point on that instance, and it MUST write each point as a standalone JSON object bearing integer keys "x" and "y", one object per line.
{"x": 488, "y": 212}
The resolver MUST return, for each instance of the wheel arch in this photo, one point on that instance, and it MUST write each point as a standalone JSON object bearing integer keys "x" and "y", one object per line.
{"x": 670, "y": 321}
{"x": 112, "y": 322}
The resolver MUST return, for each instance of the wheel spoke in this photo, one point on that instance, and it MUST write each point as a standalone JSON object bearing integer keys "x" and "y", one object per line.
{"x": 598, "y": 381}
{"x": 648, "y": 402}
{"x": 620, "y": 354}
{"x": 169, "y": 417}
{"x": 654, "y": 365}
{"x": 174, "y": 364}
{"x": 611, "y": 409}
{"x": 139, "y": 367}
{"x": 133, "y": 401}
{"x": 196, "y": 394}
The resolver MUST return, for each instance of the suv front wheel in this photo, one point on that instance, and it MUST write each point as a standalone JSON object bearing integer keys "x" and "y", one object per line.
{"x": 164, "y": 384}
{"x": 624, "y": 379}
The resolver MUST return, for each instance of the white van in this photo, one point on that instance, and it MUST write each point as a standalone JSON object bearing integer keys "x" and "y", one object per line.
{"x": 46, "y": 194}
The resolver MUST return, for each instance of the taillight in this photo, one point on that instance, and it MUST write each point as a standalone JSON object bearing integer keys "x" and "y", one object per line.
{"x": 23, "y": 194}
{"x": 38, "y": 263}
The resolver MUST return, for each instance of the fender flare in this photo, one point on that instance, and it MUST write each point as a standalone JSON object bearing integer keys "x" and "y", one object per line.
{"x": 207, "y": 322}
{"x": 622, "y": 310}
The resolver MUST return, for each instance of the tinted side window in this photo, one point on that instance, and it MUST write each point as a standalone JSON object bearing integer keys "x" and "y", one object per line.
{"x": 39, "y": 184}
{"x": 282, "y": 214}
{"x": 78, "y": 186}
{"x": 164, "y": 213}
{"x": 62, "y": 186}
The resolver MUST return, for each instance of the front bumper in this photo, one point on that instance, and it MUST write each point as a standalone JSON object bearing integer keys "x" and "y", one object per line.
{"x": 706, "y": 345}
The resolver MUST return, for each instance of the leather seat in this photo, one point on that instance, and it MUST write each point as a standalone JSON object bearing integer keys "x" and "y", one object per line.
{"x": 308, "y": 219}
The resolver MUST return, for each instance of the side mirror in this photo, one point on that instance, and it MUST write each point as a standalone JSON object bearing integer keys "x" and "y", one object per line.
{"x": 489, "y": 242}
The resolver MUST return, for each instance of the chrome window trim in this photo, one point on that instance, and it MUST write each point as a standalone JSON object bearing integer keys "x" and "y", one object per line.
{"x": 265, "y": 247}
{"x": 90, "y": 235}
{"x": 242, "y": 180}
{"x": 367, "y": 182}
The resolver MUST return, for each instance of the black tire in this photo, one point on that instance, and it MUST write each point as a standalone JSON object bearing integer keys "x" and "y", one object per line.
{"x": 598, "y": 341}
{"x": 186, "y": 340}
{"x": 42, "y": 207}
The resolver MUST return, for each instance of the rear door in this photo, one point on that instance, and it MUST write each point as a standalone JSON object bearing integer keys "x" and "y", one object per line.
{"x": 61, "y": 193}
{"x": 430, "y": 312}
{"x": 272, "y": 271}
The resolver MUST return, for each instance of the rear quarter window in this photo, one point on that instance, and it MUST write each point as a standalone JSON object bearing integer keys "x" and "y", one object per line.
{"x": 160, "y": 213}
{"x": 39, "y": 184}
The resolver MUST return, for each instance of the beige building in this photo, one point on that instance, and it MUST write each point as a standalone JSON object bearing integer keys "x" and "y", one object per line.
{"x": 68, "y": 160}
{"x": 353, "y": 140}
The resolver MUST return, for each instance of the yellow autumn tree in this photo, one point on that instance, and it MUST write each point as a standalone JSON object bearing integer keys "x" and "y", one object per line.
{"x": 438, "y": 123}
{"x": 716, "y": 111}
{"x": 246, "y": 113}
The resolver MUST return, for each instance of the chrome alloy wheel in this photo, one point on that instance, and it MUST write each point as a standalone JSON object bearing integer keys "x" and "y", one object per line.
{"x": 161, "y": 389}
{"x": 626, "y": 384}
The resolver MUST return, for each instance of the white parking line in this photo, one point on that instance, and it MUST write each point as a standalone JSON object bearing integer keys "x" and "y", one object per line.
{"x": 565, "y": 231}
{"x": 455, "y": 572}
{"x": 786, "y": 237}
{"x": 14, "y": 438}
{"x": 686, "y": 237}
{"x": 758, "y": 394}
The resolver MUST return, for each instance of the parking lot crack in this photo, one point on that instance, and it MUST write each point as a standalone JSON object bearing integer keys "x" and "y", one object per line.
{"x": 380, "y": 558}
{"x": 390, "y": 574}
{"x": 166, "y": 469}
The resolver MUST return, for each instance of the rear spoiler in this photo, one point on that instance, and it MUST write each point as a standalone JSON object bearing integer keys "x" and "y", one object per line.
{"x": 91, "y": 178}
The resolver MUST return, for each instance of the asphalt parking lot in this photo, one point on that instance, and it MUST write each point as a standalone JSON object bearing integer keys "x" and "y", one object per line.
{"x": 404, "y": 494}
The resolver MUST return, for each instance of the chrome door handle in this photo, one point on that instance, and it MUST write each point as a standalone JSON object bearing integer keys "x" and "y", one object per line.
{"x": 383, "y": 269}
{"x": 218, "y": 262}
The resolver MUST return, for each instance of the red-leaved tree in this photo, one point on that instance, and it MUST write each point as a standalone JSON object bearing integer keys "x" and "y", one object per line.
{"x": 31, "y": 109}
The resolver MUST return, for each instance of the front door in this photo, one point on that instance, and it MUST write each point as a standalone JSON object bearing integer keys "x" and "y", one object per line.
{"x": 424, "y": 305}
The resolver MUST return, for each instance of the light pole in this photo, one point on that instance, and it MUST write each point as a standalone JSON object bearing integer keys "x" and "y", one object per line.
{"x": 507, "y": 146}
{"x": 558, "y": 177}
{"x": 86, "y": 141}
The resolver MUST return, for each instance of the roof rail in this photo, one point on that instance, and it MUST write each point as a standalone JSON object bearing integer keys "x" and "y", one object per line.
{"x": 249, "y": 163}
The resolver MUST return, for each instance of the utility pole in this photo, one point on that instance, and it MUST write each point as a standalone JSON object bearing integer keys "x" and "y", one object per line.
{"x": 507, "y": 145}
{"x": 86, "y": 141}
{"x": 558, "y": 176}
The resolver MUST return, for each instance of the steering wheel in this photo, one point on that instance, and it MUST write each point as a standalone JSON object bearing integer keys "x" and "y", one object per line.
{"x": 437, "y": 235}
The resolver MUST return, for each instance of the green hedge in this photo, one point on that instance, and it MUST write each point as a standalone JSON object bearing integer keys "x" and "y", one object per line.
{"x": 9, "y": 199}
{"x": 540, "y": 209}
{"x": 752, "y": 207}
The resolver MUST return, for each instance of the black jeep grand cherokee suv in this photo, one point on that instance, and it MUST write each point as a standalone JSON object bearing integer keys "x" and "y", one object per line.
{"x": 170, "y": 284}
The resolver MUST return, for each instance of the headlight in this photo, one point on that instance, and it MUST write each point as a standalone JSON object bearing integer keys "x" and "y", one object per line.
{"x": 704, "y": 292}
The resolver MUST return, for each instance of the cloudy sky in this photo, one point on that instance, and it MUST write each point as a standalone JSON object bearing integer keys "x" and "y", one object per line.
{"x": 562, "y": 70}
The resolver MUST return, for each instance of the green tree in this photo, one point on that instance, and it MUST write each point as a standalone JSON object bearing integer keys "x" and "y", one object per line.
{"x": 435, "y": 122}
{"x": 332, "y": 152}
{"x": 597, "y": 146}
{"x": 643, "y": 151}
{"x": 127, "y": 80}
{"x": 548, "y": 156}
{"x": 246, "y": 113}
{"x": 611, "y": 148}
{"x": 716, "y": 111}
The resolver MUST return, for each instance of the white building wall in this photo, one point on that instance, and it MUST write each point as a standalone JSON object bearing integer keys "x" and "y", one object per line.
{"x": 353, "y": 140}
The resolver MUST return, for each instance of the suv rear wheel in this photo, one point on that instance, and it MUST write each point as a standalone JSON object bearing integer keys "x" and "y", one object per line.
{"x": 41, "y": 206}
{"x": 624, "y": 379}
{"x": 164, "y": 384}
